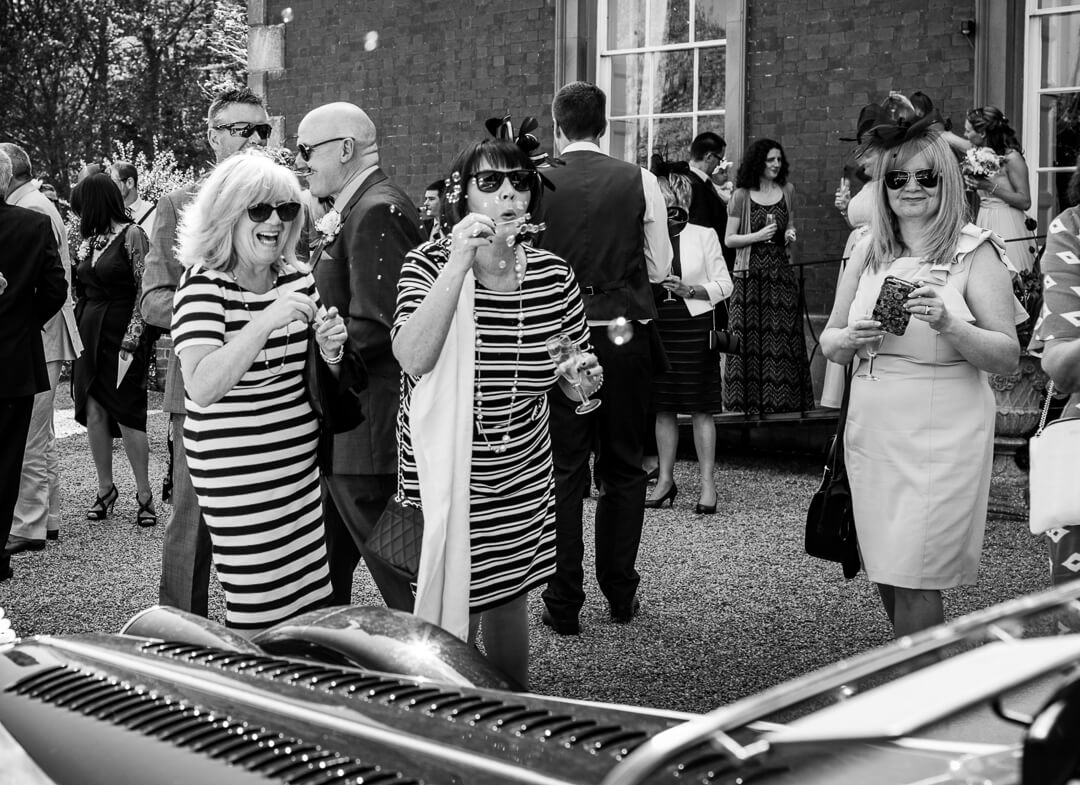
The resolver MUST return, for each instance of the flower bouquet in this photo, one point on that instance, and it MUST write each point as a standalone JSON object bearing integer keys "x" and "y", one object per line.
{"x": 981, "y": 162}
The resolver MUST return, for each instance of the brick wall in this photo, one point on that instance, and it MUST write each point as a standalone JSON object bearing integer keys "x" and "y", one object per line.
{"x": 812, "y": 64}
{"x": 439, "y": 70}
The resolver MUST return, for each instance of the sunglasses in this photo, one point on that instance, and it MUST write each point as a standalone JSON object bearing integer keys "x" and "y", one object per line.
{"x": 898, "y": 178}
{"x": 490, "y": 180}
{"x": 286, "y": 211}
{"x": 305, "y": 150}
{"x": 246, "y": 129}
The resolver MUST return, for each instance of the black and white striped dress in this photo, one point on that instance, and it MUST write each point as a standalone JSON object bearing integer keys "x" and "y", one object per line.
{"x": 511, "y": 493}
{"x": 252, "y": 455}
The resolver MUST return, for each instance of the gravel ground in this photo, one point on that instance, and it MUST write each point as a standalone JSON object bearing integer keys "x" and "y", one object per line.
{"x": 730, "y": 604}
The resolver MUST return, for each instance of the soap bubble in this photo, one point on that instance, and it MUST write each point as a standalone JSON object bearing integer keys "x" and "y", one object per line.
{"x": 371, "y": 40}
{"x": 286, "y": 15}
{"x": 620, "y": 331}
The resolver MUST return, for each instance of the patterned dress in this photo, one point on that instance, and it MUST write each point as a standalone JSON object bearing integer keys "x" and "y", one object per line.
{"x": 772, "y": 374}
{"x": 1057, "y": 323}
{"x": 511, "y": 493}
{"x": 252, "y": 455}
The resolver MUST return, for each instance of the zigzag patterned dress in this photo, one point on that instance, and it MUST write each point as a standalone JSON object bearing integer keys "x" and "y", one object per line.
{"x": 773, "y": 372}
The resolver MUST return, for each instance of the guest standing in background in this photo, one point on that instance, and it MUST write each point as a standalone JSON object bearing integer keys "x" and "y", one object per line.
{"x": 32, "y": 290}
{"x": 707, "y": 206}
{"x": 245, "y": 313}
{"x": 607, "y": 218}
{"x": 37, "y": 515}
{"x": 236, "y": 120}
{"x": 1004, "y": 197}
{"x": 919, "y": 438}
{"x": 772, "y": 372}
{"x": 699, "y": 281}
{"x": 108, "y": 382}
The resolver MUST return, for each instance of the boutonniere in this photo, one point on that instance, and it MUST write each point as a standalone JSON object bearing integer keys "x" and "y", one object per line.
{"x": 328, "y": 226}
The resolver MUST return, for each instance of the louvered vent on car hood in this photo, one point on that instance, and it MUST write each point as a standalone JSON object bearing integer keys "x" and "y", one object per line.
{"x": 508, "y": 713}
{"x": 257, "y": 750}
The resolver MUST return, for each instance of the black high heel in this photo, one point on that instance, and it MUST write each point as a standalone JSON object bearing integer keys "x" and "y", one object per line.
{"x": 146, "y": 516}
{"x": 103, "y": 505}
{"x": 655, "y": 504}
{"x": 705, "y": 509}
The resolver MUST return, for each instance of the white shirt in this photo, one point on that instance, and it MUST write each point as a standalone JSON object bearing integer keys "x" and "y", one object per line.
{"x": 139, "y": 209}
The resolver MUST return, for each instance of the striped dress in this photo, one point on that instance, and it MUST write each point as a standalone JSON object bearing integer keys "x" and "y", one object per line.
{"x": 252, "y": 455}
{"x": 511, "y": 493}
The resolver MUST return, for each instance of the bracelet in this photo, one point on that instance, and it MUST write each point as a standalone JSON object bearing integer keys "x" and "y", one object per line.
{"x": 332, "y": 360}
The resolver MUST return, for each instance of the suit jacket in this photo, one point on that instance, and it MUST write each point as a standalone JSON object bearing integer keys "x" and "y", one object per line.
{"x": 358, "y": 273}
{"x": 160, "y": 279}
{"x": 62, "y": 340}
{"x": 708, "y": 209}
{"x": 36, "y": 289}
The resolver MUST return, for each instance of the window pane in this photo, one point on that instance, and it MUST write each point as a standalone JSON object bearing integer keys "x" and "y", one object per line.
{"x": 674, "y": 82}
{"x": 712, "y": 71}
{"x": 625, "y": 24}
{"x": 669, "y": 22}
{"x": 629, "y": 139}
{"x": 1056, "y": 3}
{"x": 710, "y": 19}
{"x": 1059, "y": 129}
{"x": 1051, "y": 198}
{"x": 671, "y": 137}
{"x": 1060, "y": 50}
{"x": 628, "y": 88}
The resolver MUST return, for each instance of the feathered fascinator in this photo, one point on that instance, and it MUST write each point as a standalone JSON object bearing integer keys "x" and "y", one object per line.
{"x": 897, "y": 120}
{"x": 503, "y": 128}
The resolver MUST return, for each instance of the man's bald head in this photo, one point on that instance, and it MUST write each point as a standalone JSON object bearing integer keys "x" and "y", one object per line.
{"x": 339, "y": 139}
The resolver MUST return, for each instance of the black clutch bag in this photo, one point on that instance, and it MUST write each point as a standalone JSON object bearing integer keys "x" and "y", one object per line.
{"x": 722, "y": 341}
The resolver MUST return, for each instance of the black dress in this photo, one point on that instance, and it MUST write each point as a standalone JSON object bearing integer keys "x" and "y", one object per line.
{"x": 108, "y": 311}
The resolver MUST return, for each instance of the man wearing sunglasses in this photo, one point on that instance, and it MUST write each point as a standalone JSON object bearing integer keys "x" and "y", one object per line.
{"x": 357, "y": 271}
{"x": 608, "y": 219}
{"x": 707, "y": 207}
{"x": 236, "y": 119}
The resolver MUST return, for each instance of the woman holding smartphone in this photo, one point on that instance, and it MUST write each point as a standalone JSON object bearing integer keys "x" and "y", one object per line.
{"x": 919, "y": 435}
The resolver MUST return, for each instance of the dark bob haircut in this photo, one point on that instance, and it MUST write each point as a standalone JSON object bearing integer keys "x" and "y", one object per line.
{"x": 98, "y": 203}
{"x": 753, "y": 164}
{"x": 475, "y": 158}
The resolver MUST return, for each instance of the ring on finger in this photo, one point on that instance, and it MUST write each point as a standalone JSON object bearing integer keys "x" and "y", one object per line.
{"x": 926, "y": 310}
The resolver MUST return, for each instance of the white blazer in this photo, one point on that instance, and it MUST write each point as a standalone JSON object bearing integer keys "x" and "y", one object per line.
{"x": 702, "y": 262}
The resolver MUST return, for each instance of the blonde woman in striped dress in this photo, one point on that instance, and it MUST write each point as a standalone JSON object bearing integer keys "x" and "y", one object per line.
{"x": 244, "y": 312}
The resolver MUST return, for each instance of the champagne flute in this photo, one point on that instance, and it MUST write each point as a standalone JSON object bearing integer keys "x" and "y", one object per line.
{"x": 872, "y": 350}
{"x": 566, "y": 355}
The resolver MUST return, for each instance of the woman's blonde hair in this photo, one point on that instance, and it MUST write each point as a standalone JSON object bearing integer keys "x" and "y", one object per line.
{"x": 886, "y": 243}
{"x": 241, "y": 181}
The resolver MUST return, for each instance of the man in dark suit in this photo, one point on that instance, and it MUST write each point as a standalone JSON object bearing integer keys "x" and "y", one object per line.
{"x": 360, "y": 246}
{"x": 608, "y": 219}
{"x": 32, "y": 290}
{"x": 185, "y": 554}
{"x": 707, "y": 208}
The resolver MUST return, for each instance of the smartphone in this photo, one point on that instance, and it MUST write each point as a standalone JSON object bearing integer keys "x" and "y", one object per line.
{"x": 889, "y": 308}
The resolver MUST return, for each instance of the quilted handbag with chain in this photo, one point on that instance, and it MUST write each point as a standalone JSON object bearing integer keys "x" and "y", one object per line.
{"x": 398, "y": 535}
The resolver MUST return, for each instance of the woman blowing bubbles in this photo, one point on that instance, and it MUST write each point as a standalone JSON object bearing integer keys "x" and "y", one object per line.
{"x": 474, "y": 312}
{"x": 919, "y": 438}
{"x": 244, "y": 314}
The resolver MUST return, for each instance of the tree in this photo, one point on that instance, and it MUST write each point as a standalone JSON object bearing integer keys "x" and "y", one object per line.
{"x": 82, "y": 76}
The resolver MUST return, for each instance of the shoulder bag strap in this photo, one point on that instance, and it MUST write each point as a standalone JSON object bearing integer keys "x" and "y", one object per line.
{"x": 1046, "y": 407}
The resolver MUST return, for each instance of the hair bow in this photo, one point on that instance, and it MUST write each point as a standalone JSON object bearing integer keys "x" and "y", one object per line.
{"x": 528, "y": 143}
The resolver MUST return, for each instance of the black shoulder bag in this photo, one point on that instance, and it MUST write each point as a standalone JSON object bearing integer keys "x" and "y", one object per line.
{"x": 830, "y": 521}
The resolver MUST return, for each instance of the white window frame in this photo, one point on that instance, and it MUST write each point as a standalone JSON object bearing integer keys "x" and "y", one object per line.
{"x": 734, "y": 73}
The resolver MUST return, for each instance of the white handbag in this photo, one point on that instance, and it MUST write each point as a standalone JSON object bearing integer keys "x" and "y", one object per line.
{"x": 1055, "y": 466}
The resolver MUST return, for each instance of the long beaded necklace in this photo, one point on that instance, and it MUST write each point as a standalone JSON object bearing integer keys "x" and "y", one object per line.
{"x": 288, "y": 334}
{"x": 478, "y": 408}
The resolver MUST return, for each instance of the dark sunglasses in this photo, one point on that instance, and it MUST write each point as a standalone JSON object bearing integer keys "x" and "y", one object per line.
{"x": 286, "y": 211}
{"x": 897, "y": 178}
{"x": 246, "y": 129}
{"x": 305, "y": 150}
{"x": 490, "y": 180}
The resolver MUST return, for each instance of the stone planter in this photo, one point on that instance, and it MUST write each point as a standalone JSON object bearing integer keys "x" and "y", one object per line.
{"x": 1019, "y": 399}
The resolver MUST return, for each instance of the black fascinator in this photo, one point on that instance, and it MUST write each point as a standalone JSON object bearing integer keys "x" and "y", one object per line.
{"x": 503, "y": 128}
{"x": 896, "y": 121}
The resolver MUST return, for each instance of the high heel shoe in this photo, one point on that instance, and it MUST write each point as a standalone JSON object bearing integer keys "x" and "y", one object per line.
{"x": 705, "y": 509}
{"x": 655, "y": 504}
{"x": 103, "y": 505}
{"x": 146, "y": 515}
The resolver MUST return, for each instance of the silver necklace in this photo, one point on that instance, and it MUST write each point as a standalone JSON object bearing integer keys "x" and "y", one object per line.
{"x": 503, "y": 443}
{"x": 288, "y": 334}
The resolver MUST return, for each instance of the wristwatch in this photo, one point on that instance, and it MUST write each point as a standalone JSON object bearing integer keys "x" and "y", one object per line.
{"x": 693, "y": 293}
